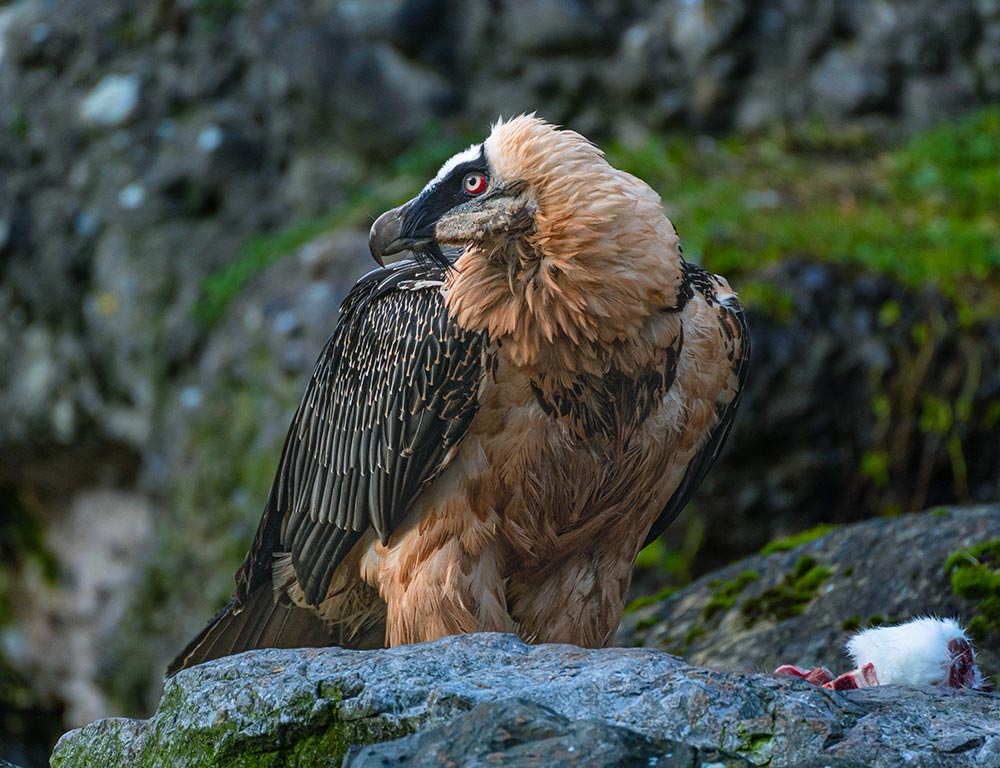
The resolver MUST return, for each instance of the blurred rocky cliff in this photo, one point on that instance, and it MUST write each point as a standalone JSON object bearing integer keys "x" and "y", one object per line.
{"x": 184, "y": 191}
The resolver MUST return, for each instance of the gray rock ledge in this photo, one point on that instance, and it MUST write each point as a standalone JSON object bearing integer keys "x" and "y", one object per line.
{"x": 306, "y": 707}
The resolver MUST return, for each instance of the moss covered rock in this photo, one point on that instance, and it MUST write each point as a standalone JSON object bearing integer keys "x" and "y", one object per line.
{"x": 802, "y": 602}
{"x": 305, "y": 707}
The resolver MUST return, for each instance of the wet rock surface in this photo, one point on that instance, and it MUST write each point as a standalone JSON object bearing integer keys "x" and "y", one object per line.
{"x": 313, "y": 704}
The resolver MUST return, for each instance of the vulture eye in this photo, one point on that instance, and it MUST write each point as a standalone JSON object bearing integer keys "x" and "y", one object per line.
{"x": 474, "y": 183}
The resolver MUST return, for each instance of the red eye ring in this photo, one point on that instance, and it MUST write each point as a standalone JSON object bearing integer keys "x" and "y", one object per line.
{"x": 475, "y": 183}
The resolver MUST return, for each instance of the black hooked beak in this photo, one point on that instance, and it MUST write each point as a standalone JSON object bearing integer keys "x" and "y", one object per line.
{"x": 386, "y": 237}
{"x": 391, "y": 236}
{"x": 398, "y": 232}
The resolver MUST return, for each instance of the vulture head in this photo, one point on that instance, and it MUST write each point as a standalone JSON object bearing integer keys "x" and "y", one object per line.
{"x": 555, "y": 252}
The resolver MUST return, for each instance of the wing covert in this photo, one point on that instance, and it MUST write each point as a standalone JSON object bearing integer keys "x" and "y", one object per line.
{"x": 393, "y": 391}
{"x": 735, "y": 320}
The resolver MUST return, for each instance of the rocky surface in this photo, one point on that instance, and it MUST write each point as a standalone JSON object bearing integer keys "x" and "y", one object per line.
{"x": 514, "y": 732}
{"x": 307, "y": 706}
{"x": 799, "y": 605}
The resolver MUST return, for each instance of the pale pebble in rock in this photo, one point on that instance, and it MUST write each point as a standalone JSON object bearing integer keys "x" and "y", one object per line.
{"x": 112, "y": 102}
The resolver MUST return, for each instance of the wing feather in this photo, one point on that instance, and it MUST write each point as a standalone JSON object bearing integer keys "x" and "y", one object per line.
{"x": 393, "y": 392}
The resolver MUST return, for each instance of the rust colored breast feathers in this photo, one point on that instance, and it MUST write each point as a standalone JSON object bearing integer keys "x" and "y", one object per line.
{"x": 527, "y": 391}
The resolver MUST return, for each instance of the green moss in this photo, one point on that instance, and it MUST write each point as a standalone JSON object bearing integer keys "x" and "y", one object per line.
{"x": 981, "y": 555}
{"x": 975, "y": 575}
{"x": 855, "y": 622}
{"x": 646, "y": 622}
{"x": 797, "y": 539}
{"x": 975, "y": 583}
{"x": 320, "y": 749}
{"x": 693, "y": 635}
{"x": 726, "y": 594}
{"x": 21, "y": 540}
{"x": 980, "y": 627}
{"x": 758, "y": 747}
{"x": 321, "y": 739}
{"x": 791, "y": 596}
{"x": 851, "y": 623}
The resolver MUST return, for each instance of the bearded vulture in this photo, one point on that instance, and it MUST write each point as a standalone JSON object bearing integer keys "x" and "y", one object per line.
{"x": 524, "y": 395}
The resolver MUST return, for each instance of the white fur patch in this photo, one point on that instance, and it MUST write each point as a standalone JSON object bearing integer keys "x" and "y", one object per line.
{"x": 915, "y": 653}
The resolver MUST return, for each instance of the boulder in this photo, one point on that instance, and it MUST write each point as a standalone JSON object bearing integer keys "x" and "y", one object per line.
{"x": 799, "y": 604}
{"x": 515, "y": 732}
{"x": 847, "y": 82}
{"x": 307, "y": 706}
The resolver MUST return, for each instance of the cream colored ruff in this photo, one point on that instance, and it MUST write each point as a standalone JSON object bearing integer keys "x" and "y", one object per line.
{"x": 602, "y": 258}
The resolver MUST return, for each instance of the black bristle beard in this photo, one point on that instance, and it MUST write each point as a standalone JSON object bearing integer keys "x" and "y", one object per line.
{"x": 431, "y": 254}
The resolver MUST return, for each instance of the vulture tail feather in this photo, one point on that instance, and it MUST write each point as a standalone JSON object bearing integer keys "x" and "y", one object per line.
{"x": 261, "y": 623}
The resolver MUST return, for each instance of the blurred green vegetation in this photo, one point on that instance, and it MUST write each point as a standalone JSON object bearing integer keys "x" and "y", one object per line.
{"x": 925, "y": 213}
{"x": 21, "y": 541}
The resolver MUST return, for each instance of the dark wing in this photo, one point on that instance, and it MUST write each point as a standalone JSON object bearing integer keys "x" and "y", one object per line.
{"x": 392, "y": 394}
{"x": 738, "y": 341}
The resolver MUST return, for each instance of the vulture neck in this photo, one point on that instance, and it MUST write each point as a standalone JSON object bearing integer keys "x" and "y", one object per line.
{"x": 581, "y": 293}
